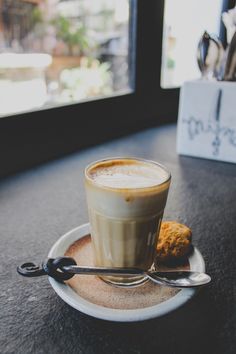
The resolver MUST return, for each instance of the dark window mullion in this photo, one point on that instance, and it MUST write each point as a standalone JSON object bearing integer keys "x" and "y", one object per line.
{"x": 158, "y": 105}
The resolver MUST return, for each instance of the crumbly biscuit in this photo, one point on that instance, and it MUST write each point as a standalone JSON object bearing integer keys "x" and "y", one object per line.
{"x": 174, "y": 241}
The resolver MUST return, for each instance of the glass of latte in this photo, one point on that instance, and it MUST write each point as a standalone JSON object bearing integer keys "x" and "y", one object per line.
{"x": 126, "y": 198}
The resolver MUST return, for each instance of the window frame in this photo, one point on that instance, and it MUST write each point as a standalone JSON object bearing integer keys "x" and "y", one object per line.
{"x": 34, "y": 137}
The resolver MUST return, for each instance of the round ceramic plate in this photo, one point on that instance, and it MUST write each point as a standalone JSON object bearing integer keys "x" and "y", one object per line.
{"x": 67, "y": 294}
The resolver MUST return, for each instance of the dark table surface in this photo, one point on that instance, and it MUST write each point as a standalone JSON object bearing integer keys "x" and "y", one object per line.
{"x": 40, "y": 205}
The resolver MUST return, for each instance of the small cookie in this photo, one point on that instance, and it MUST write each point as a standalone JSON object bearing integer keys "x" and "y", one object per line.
{"x": 174, "y": 241}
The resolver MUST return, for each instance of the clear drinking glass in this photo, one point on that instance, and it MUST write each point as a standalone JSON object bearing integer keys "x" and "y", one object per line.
{"x": 125, "y": 221}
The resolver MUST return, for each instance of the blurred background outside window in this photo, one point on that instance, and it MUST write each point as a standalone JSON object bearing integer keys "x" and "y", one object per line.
{"x": 184, "y": 23}
{"x": 56, "y": 52}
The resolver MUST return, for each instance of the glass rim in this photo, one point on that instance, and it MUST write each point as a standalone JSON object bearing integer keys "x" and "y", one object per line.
{"x": 140, "y": 159}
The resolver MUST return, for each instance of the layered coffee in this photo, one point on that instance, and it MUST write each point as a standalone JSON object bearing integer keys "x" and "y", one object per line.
{"x": 126, "y": 199}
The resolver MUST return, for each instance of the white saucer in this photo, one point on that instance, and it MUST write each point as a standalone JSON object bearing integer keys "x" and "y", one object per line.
{"x": 67, "y": 294}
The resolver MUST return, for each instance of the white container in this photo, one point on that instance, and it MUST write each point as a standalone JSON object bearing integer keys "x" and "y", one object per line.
{"x": 207, "y": 120}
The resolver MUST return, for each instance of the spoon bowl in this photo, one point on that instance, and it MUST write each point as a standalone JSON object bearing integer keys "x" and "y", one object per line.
{"x": 179, "y": 279}
{"x": 210, "y": 53}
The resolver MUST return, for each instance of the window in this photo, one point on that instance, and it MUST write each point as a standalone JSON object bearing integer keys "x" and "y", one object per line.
{"x": 184, "y": 23}
{"x": 59, "y": 52}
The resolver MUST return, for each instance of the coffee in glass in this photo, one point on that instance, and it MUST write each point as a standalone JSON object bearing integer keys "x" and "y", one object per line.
{"x": 126, "y": 198}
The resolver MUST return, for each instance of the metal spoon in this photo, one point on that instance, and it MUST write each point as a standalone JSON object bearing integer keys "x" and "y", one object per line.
{"x": 178, "y": 279}
{"x": 210, "y": 53}
{"x": 64, "y": 268}
{"x": 230, "y": 66}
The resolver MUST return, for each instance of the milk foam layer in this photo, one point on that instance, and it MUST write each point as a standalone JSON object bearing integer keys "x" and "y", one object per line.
{"x": 122, "y": 198}
{"x": 128, "y": 174}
